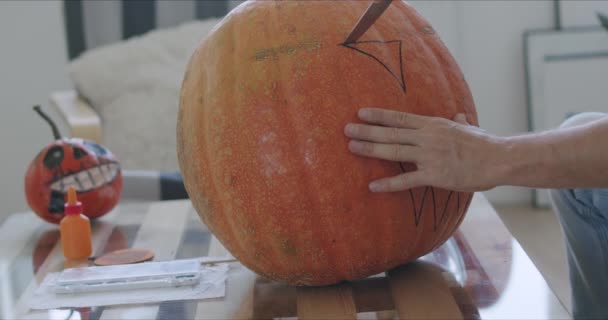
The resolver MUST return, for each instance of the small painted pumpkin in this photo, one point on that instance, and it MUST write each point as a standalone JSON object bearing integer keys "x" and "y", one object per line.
{"x": 91, "y": 168}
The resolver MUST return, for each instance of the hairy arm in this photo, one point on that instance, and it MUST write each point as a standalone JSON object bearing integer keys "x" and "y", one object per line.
{"x": 458, "y": 156}
{"x": 560, "y": 158}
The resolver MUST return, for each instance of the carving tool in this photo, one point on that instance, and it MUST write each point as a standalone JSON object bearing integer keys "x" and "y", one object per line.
{"x": 373, "y": 12}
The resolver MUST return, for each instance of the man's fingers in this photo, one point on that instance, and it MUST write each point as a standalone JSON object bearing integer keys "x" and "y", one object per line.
{"x": 380, "y": 134}
{"x": 393, "y": 152}
{"x": 399, "y": 183}
{"x": 391, "y": 118}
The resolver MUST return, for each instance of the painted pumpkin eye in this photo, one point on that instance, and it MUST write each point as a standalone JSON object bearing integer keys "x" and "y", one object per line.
{"x": 53, "y": 157}
{"x": 97, "y": 149}
{"x": 79, "y": 153}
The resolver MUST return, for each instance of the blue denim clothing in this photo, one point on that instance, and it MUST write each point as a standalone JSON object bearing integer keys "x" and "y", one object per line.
{"x": 583, "y": 214}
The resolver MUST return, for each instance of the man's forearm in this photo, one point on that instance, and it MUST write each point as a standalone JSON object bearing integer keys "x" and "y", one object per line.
{"x": 561, "y": 158}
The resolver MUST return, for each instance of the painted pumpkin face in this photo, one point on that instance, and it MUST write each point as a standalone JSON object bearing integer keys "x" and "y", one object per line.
{"x": 87, "y": 166}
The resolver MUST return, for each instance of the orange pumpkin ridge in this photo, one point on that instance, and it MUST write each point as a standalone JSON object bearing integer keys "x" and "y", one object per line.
{"x": 263, "y": 104}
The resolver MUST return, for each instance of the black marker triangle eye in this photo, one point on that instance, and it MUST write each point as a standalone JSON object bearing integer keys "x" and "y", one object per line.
{"x": 79, "y": 153}
{"x": 53, "y": 157}
{"x": 386, "y": 53}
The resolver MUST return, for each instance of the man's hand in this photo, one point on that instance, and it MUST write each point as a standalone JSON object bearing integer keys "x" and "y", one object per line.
{"x": 448, "y": 154}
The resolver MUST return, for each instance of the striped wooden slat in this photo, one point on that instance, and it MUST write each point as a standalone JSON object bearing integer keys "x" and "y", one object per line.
{"x": 372, "y": 294}
{"x": 332, "y": 302}
{"x": 160, "y": 231}
{"x": 72, "y": 11}
{"x": 102, "y": 22}
{"x": 412, "y": 285}
{"x": 138, "y": 17}
{"x": 172, "y": 13}
{"x": 273, "y": 300}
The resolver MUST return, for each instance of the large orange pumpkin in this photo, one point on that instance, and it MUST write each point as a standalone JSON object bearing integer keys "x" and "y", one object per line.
{"x": 263, "y": 105}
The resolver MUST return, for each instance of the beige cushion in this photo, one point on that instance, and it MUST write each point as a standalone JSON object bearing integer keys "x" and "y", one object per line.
{"x": 134, "y": 86}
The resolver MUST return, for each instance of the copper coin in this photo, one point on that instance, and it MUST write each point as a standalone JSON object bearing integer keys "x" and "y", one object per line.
{"x": 124, "y": 256}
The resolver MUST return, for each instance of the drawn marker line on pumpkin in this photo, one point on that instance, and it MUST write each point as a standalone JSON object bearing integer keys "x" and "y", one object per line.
{"x": 434, "y": 209}
{"x": 447, "y": 202}
{"x": 419, "y": 212}
{"x": 398, "y": 75}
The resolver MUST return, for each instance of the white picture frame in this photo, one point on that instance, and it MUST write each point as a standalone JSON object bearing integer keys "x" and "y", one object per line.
{"x": 566, "y": 73}
{"x": 581, "y": 13}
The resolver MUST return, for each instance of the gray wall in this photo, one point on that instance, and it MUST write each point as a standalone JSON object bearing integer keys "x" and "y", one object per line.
{"x": 33, "y": 61}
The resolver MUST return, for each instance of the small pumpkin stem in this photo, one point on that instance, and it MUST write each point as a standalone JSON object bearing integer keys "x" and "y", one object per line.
{"x": 44, "y": 116}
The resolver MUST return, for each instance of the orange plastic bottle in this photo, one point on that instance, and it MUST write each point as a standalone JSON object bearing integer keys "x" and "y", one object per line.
{"x": 75, "y": 229}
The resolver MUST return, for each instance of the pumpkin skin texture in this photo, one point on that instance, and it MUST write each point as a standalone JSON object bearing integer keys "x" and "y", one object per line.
{"x": 263, "y": 106}
{"x": 91, "y": 168}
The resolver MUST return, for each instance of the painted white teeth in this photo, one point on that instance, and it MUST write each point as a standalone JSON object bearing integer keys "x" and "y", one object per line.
{"x": 69, "y": 180}
{"x": 66, "y": 187}
{"x": 87, "y": 179}
{"x": 98, "y": 178}
{"x": 114, "y": 169}
{"x": 105, "y": 170}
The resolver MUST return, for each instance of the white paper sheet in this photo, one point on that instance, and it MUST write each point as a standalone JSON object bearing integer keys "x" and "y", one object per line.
{"x": 211, "y": 285}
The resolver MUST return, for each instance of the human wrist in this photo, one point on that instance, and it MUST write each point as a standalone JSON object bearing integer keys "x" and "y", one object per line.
{"x": 497, "y": 168}
{"x": 519, "y": 161}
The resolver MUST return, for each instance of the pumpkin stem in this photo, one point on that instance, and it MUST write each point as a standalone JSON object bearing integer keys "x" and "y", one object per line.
{"x": 44, "y": 116}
